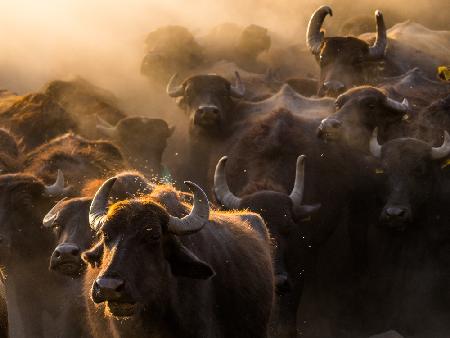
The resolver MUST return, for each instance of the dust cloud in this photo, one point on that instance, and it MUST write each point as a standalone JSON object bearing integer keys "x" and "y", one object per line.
{"x": 102, "y": 40}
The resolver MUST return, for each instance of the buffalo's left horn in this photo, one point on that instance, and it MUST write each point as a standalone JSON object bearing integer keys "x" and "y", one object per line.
{"x": 375, "y": 147}
{"x": 221, "y": 189}
{"x": 107, "y": 131}
{"x": 400, "y": 107}
{"x": 314, "y": 36}
{"x": 174, "y": 90}
{"x": 198, "y": 217}
{"x": 443, "y": 150}
{"x": 299, "y": 184}
{"x": 50, "y": 217}
{"x": 99, "y": 205}
{"x": 238, "y": 90}
{"x": 378, "y": 49}
{"x": 56, "y": 188}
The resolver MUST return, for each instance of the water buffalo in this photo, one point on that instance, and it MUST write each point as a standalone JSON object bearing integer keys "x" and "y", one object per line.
{"x": 343, "y": 60}
{"x": 142, "y": 142}
{"x": 358, "y": 112}
{"x": 348, "y": 61}
{"x": 170, "y": 49}
{"x": 283, "y": 215}
{"x": 408, "y": 252}
{"x": 216, "y": 281}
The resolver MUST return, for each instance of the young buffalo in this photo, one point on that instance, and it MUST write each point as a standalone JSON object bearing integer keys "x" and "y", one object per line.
{"x": 216, "y": 282}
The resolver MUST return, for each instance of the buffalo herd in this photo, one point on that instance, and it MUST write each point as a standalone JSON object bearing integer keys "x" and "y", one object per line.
{"x": 311, "y": 197}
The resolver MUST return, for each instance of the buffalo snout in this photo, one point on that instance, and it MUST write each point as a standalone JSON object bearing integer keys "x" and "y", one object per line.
{"x": 396, "y": 216}
{"x": 107, "y": 289}
{"x": 329, "y": 129}
{"x": 66, "y": 259}
{"x": 207, "y": 115}
{"x": 282, "y": 284}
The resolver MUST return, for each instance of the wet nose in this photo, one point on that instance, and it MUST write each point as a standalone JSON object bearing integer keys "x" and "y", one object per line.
{"x": 107, "y": 289}
{"x": 282, "y": 284}
{"x": 396, "y": 213}
{"x": 333, "y": 88}
{"x": 66, "y": 251}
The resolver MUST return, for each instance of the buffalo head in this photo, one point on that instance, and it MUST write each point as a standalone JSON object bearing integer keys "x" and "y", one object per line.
{"x": 138, "y": 256}
{"x": 344, "y": 61}
{"x": 281, "y": 212}
{"x": 409, "y": 167}
{"x": 207, "y": 100}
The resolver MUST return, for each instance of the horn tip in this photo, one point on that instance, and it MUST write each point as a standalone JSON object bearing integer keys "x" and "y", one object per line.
{"x": 378, "y": 13}
{"x": 301, "y": 159}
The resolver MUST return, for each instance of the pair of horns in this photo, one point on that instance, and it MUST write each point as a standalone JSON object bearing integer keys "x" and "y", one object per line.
{"x": 173, "y": 90}
{"x": 191, "y": 223}
{"x": 437, "y": 153}
{"x": 315, "y": 37}
{"x": 230, "y": 201}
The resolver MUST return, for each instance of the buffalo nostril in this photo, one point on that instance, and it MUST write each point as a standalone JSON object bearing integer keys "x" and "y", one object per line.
{"x": 75, "y": 252}
{"x": 57, "y": 254}
{"x": 335, "y": 123}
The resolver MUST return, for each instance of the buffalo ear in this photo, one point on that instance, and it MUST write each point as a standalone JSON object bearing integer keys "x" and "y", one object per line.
{"x": 185, "y": 263}
{"x": 303, "y": 211}
{"x": 93, "y": 256}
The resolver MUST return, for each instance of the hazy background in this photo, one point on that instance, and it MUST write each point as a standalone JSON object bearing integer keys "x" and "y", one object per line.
{"x": 102, "y": 40}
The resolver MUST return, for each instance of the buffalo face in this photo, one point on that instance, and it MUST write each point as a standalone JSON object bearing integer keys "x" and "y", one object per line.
{"x": 70, "y": 224}
{"x": 207, "y": 100}
{"x": 138, "y": 256}
{"x": 410, "y": 170}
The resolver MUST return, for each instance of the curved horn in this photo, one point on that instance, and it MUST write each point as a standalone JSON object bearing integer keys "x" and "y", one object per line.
{"x": 56, "y": 188}
{"x": 400, "y": 107}
{"x": 443, "y": 150}
{"x": 172, "y": 90}
{"x": 99, "y": 204}
{"x": 314, "y": 37}
{"x": 221, "y": 189}
{"x": 102, "y": 122}
{"x": 378, "y": 49}
{"x": 238, "y": 90}
{"x": 375, "y": 147}
{"x": 50, "y": 217}
{"x": 198, "y": 217}
{"x": 107, "y": 131}
{"x": 299, "y": 185}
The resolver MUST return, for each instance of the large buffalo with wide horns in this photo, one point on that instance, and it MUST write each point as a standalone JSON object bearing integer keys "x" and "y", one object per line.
{"x": 199, "y": 275}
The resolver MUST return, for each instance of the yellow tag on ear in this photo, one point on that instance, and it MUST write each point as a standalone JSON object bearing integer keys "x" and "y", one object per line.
{"x": 379, "y": 171}
{"x": 446, "y": 163}
{"x": 444, "y": 73}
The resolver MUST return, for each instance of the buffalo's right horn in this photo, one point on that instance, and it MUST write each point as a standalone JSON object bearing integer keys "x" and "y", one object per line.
{"x": 57, "y": 188}
{"x": 375, "y": 147}
{"x": 221, "y": 189}
{"x": 99, "y": 205}
{"x": 442, "y": 151}
{"x": 314, "y": 36}
{"x": 400, "y": 107}
{"x": 50, "y": 217}
{"x": 378, "y": 49}
{"x": 174, "y": 90}
{"x": 299, "y": 183}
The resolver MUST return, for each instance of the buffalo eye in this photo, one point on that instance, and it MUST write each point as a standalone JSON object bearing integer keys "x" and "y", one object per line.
{"x": 56, "y": 229}
{"x": 152, "y": 235}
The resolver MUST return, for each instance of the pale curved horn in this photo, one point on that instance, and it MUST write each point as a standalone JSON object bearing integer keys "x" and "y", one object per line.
{"x": 99, "y": 205}
{"x": 378, "y": 49}
{"x": 400, "y": 107}
{"x": 375, "y": 147}
{"x": 299, "y": 184}
{"x": 103, "y": 122}
{"x": 107, "y": 131}
{"x": 314, "y": 37}
{"x": 238, "y": 90}
{"x": 443, "y": 150}
{"x": 221, "y": 189}
{"x": 198, "y": 217}
{"x": 56, "y": 188}
{"x": 50, "y": 217}
{"x": 174, "y": 90}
